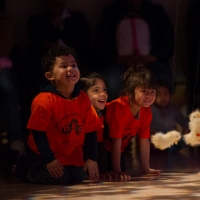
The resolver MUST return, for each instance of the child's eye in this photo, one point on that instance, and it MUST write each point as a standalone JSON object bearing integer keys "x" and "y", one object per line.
{"x": 74, "y": 66}
{"x": 105, "y": 89}
{"x": 95, "y": 90}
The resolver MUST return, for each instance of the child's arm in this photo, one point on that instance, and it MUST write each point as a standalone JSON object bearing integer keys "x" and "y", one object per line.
{"x": 116, "y": 157}
{"x": 144, "y": 156}
{"x": 54, "y": 167}
{"x": 91, "y": 155}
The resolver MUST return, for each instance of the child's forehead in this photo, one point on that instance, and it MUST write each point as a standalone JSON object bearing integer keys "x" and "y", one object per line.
{"x": 163, "y": 88}
{"x": 144, "y": 88}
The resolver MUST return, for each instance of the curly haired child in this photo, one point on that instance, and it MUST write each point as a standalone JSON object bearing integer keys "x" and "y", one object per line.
{"x": 62, "y": 121}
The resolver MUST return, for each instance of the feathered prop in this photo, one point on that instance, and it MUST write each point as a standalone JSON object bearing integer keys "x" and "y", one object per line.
{"x": 163, "y": 141}
{"x": 193, "y": 137}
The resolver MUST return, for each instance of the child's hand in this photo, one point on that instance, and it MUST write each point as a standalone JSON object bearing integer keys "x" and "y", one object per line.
{"x": 107, "y": 175}
{"x": 55, "y": 168}
{"x": 121, "y": 175}
{"x": 153, "y": 171}
{"x": 92, "y": 168}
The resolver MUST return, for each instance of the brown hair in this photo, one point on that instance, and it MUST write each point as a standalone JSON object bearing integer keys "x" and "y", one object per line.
{"x": 137, "y": 76}
{"x": 49, "y": 59}
{"x": 89, "y": 80}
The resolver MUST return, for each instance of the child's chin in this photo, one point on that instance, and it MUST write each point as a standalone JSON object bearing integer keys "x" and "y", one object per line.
{"x": 101, "y": 107}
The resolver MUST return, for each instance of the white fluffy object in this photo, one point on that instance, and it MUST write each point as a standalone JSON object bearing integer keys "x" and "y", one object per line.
{"x": 163, "y": 141}
{"x": 193, "y": 137}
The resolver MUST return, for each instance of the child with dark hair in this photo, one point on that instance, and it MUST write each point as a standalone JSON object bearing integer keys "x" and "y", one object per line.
{"x": 166, "y": 116}
{"x": 128, "y": 116}
{"x": 62, "y": 121}
{"x": 94, "y": 85}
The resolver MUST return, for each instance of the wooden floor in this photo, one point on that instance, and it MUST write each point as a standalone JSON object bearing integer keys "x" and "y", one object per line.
{"x": 180, "y": 179}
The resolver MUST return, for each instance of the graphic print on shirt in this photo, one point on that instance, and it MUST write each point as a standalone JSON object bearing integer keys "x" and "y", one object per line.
{"x": 127, "y": 138}
{"x": 73, "y": 125}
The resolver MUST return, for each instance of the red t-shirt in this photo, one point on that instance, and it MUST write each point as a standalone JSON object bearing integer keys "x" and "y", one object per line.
{"x": 100, "y": 137}
{"x": 65, "y": 123}
{"x": 122, "y": 124}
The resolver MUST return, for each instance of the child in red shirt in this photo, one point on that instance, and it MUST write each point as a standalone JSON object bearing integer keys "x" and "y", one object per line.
{"x": 128, "y": 115}
{"x": 94, "y": 85}
{"x": 62, "y": 121}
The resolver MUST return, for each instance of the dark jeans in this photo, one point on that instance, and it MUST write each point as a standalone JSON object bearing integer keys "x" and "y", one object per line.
{"x": 101, "y": 157}
{"x": 109, "y": 162}
{"x": 30, "y": 169}
{"x": 10, "y": 104}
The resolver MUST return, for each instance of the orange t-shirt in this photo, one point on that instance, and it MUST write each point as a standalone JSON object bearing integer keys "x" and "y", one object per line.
{"x": 100, "y": 131}
{"x": 65, "y": 123}
{"x": 122, "y": 124}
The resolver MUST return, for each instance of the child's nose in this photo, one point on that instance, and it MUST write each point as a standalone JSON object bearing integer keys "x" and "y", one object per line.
{"x": 148, "y": 93}
{"x": 103, "y": 93}
{"x": 69, "y": 68}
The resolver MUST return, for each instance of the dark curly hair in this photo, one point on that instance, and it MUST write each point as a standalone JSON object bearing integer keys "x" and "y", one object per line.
{"x": 49, "y": 59}
{"x": 89, "y": 80}
{"x": 137, "y": 76}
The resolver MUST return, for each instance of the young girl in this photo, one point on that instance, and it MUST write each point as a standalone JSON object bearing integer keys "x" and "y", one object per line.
{"x": 94, "y": 85}
{"x": 128, "y": 115}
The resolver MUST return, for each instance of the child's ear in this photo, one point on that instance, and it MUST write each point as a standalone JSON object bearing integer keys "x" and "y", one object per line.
{"x": 49, "y": 76}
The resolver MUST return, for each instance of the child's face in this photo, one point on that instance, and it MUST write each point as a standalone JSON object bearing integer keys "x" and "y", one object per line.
{"x": 163, "y": 96}
{"x": 98, "y": 94}
{"x": 65, "y": 71}
{"x": 144, "y": 97}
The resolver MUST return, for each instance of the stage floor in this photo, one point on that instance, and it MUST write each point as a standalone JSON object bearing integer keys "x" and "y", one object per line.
{"x": 180, "y": 179}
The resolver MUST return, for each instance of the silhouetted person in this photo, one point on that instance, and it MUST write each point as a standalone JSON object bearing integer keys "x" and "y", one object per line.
{"x": 9, "y": 88}
{"x": 55, "y": 25}
{"x": 161, "y": 41}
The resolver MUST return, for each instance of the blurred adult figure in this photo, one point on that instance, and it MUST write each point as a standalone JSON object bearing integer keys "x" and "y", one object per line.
{"x": 161, "y": 40}
{"x": 55, "y": 25}
{"x": 9, "y": 87}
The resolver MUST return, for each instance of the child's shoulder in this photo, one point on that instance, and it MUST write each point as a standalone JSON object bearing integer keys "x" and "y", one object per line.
{"x": 117, "y": 105}
{"x": 117, "y": 102}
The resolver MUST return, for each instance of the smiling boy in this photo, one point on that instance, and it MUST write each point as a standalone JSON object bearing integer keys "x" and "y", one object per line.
{"x": 62, "y": 117}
